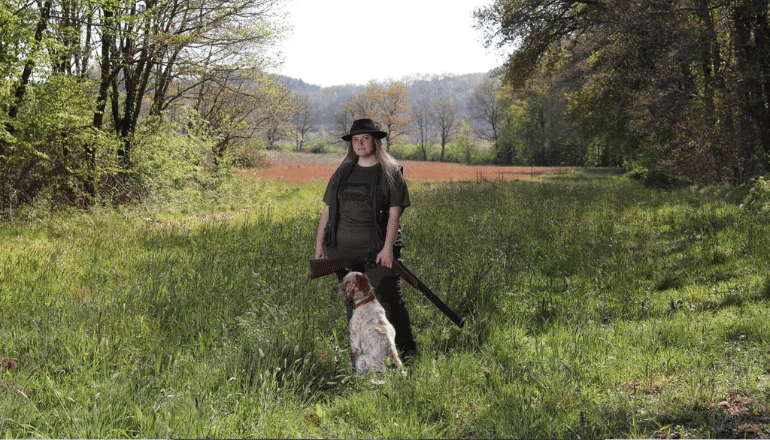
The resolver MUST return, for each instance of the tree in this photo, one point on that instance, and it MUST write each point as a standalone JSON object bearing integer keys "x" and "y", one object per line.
{"x": 387, "y": 104}
{"x": 392, "y": 99}
{"x": 444, "y": 117}
{"x": 302, "y": 119}
{"x": 540, "y": 133}
{"x": 485, "y": 107}
{"x": 363, "y": 104}
{"x": 178, "y": 48}
{"x": 465, "y": 142}
{"x": 343, "y": 120}
{"x": 751, "y": 42}
{"x": 422, "y": 121}
{"x": 241, "y": 105}
{"x": 278, "y": 115}
{"x": 143, "y": 49}
{"x": 43, "y": 141}
{"x": 534, "y": 27}
{"x": 36, "y": 45}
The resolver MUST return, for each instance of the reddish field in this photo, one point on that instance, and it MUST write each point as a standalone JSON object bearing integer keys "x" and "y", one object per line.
{"x": 304, "y": 167}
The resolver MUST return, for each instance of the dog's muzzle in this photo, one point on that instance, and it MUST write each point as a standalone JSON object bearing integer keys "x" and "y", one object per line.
{"x": 338, "y": 291}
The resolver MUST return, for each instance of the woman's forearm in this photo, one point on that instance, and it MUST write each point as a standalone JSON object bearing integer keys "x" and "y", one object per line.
{"x": 385, "y": 257}
{"x": 391, "y": 232}
{"x": 319, "y": 237}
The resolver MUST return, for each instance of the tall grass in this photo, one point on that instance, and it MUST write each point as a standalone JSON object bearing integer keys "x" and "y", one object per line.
{"x": 594, "y": 308}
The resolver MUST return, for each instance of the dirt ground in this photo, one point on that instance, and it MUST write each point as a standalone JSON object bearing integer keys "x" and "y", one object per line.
{"x": 304, "y": 167}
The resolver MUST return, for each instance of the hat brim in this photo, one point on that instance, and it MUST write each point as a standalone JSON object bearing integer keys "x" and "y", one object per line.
{"x": 375, "y": 134}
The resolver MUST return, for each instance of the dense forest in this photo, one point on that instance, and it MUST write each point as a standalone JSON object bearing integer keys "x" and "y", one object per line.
{"x": 678, "y": 89}
{"x": 113, "y": 100}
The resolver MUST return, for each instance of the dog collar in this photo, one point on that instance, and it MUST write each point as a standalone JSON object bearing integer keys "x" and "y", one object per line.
{"x": 371, "y": 297}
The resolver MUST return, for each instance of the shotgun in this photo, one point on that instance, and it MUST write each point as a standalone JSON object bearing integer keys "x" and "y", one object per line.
{"x": 321, "y": 268}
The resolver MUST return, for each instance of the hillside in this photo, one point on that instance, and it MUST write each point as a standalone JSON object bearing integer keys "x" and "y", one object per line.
{"x": 324, "y": 99}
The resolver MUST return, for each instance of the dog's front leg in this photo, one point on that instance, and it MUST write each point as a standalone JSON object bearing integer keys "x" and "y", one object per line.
{"x": 354, "y": 353}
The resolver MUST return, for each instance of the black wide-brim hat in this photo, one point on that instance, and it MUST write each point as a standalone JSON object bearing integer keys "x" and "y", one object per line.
{"x": 362, "y": 126}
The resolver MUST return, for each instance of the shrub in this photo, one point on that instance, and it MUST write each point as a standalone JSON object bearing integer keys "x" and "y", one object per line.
{"x": 53, "y": 147}
{"x": 408, "y": 152}
{"x": 250, "y": 156}
{"x": 173, "y": 162}
{"x": 317, "y": 146}
{"x": 758, "y": 200}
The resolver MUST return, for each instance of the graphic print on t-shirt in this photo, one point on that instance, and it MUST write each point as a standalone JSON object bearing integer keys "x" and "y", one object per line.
{"x": 356, "y": 209}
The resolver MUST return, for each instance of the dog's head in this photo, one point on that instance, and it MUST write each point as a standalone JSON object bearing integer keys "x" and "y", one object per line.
{"x": 354, "y": 284}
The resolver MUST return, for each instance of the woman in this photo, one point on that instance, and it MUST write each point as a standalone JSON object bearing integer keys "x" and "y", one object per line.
{"x": 364, "y": 200}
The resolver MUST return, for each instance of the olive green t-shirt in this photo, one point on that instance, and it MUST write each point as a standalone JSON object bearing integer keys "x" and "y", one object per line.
{"x": 355, "y": 207}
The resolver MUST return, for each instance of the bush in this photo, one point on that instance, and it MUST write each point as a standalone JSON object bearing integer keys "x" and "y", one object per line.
{"x": 408, "y": 152}
{"x": 463, "y": 151}
{"x": 173, "y": 163}
{"x": 250, "y": 156}
{"x": 317, "y": 146}
{"x": 470, "y": 154}
{"x": 53, "y": 147}
{"x": 758, "y": 200}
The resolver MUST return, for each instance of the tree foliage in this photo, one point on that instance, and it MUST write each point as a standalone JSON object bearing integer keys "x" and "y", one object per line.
{"x": 445, "y": 119}
{"x": 54, "y": 149}
{"x": 422, "y": 123}
{"x": 673, "y": 87}
{"x": 386, "y": 103}
{"x": 80, "y": 76}
{"x": 302, "y": 119}
{"x": 486, "y": 107}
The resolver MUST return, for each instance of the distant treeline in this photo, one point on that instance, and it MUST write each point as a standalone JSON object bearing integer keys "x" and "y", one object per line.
{"x": 422, "y": 110}
{"x": 326, "y": 99}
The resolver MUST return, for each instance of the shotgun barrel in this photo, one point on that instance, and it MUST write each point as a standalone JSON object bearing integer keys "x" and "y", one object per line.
{"x": 410, "y": 278}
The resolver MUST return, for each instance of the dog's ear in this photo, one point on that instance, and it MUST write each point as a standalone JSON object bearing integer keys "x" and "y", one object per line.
{"x": 362, "y": 283}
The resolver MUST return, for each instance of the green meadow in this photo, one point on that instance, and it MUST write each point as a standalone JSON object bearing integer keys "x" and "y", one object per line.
{"x": 594, "y": 307}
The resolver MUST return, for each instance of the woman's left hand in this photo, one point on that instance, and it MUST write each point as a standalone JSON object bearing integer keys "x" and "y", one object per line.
{"x": 385, "y": 258}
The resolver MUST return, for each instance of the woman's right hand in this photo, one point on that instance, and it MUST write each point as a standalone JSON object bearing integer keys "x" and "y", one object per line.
{"x": 320, "y": 253}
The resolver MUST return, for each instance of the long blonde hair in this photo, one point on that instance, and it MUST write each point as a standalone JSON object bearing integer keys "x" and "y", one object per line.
{"x": 388, "y": 162}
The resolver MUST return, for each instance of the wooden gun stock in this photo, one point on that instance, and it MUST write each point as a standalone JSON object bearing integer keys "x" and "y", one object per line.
{"x": 321, "y": 268}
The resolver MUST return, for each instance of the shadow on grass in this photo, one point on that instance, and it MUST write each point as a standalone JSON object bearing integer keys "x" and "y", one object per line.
{"x": 733, "y": 416}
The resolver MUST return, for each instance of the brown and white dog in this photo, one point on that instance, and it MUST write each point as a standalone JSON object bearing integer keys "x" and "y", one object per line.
{"x": 372, "y": 337}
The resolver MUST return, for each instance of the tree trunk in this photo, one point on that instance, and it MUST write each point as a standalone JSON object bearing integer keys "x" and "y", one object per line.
{"x": 21, "y": 90}
{"x": 752, "y": 50}
{"x": 106, "y": 72}
{"x": 710, "y": 56}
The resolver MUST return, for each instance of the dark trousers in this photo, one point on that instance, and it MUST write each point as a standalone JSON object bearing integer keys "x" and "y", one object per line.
{"x": 387, "y": 289}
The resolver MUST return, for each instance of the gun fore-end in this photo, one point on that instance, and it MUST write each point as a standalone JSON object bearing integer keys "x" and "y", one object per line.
{"x": 321, "y": 268}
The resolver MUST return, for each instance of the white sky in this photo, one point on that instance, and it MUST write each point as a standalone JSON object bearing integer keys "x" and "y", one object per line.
{"x": 337, "y": 42}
